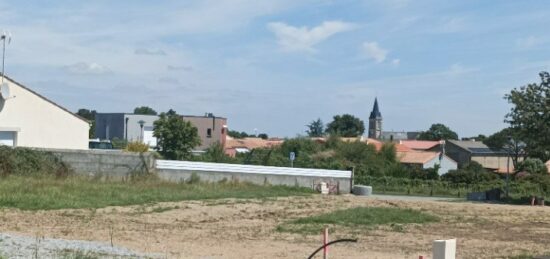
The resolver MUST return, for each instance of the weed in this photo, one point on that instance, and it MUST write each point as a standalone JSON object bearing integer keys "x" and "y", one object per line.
{"x": 358, "y": 217}
{"x": 46, "y": 193}
{"x": 194, "y": 179}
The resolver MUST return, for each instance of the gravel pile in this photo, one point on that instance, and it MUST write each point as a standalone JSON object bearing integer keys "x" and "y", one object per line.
{"x": 15, "y": 246}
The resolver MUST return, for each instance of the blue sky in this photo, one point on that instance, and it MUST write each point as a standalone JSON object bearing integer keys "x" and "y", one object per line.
{"x": 277, "y": 65}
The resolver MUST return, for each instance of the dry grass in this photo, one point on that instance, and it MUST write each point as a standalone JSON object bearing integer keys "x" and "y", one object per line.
{"x": 246, "y": 228}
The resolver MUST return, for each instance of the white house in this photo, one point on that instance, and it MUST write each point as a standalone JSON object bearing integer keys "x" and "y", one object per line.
{"x": 425, "y": 160}
{"x": 28, "y": 119}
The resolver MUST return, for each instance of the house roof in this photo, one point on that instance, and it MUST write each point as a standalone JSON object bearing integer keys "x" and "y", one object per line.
{"x": 416, "y": 157}
{"x": 251, "y": 143}
{"x": 420, "y": 144}
{"x": 476, "y": 147}
{"x": 45, "y": 99}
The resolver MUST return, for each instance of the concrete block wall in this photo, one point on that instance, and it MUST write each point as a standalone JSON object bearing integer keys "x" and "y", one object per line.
{"x": 106, "y": 163}
{"x": 260, "y": 179}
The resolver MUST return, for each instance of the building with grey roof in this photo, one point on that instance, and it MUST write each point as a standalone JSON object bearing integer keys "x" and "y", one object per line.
{"x": 464, "y": 152}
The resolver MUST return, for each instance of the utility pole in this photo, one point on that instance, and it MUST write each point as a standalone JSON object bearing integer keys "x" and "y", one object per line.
{"x": 5, "y": 36}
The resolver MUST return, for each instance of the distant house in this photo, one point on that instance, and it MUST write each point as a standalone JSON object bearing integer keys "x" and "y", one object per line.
{"x": 126, "y": 126}
{"x": 423, "y": 145}
{"x": 137, "y": 127}
{"x": 425, "y": 160}
{"x": 234, "y": 146}
{"x": 212, "y": 129}
{"x": 28, "y": 119}
{"x": 548, "y": 166}
{"x": 464, "y": 152}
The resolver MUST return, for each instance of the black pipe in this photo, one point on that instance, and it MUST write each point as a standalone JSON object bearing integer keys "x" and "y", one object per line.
{"x": 330, "y": 243}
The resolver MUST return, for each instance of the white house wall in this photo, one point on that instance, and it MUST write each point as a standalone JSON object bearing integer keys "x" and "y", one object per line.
{"x": 39, "y": 123}
{"x": 447, "y": 164}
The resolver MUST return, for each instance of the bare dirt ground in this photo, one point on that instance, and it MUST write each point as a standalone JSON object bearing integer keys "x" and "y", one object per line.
{"x": 247, "y": 228}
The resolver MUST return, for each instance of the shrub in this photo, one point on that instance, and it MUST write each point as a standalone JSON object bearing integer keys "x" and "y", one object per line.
{"x": 119, "y": 143}
{"x": 136, "y": 146}
{"x": 533, "y": 166}
{"x": 28, "y": 162}
{"x": 195, "y": 178}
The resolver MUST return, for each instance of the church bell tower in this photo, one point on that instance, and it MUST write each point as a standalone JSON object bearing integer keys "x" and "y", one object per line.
{"x": 375, "y": 121}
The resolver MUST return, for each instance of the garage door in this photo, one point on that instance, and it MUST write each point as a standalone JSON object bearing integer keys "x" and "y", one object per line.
{"x": 148, "y": 137}
{"x": 7, "y": 138}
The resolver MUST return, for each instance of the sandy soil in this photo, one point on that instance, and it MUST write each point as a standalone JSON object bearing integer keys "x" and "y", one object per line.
{"x": 246, "y": 228}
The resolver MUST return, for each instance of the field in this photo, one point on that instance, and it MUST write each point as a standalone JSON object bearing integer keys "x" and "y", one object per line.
{"x": 288, "y": 227}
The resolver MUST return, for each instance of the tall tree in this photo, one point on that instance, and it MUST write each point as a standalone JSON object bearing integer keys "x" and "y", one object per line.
{"x": 507, "y": 139}
{"x": 145, "y": 110}
{"x": 438, "y": 131}
{"x": 529, "y": 116}
{"x": 90, "y": 116}
{"x": 499, "y": 139}
{"x": 316, "y": 128}
{"x": 346, "y": 126}
{"x": 175, "y": 137}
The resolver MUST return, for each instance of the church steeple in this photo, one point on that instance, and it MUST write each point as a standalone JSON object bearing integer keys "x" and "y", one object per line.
{"x": 375, "y": 110}
{"x": 375, "y": 121}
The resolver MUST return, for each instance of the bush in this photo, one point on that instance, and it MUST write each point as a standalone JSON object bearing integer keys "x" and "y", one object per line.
{"x": 532, "y": 166}
{"x": 29, "y": 162}
{"x": 119, "y": 143}
{"x": 136, "y": 146}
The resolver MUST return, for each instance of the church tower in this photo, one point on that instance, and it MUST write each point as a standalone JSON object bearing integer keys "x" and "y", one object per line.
{"x": 375, "y": 121}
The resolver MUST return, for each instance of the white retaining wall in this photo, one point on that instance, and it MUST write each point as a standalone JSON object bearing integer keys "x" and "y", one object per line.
{"x": 212, "y": 172}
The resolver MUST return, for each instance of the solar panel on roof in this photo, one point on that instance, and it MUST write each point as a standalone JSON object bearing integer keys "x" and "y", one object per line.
{"x": 486, "y": 151}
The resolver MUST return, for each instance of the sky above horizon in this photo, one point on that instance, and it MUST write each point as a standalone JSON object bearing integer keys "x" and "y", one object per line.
{"x": 275, "y": 66}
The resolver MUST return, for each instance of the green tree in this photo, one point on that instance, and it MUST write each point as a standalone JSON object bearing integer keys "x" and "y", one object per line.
{"x": 263, "y": 136}
{"x": 346, "y": 126}
{"x": 479, "y": 137}
{"x": 90, "y": 116}
{"x": 529, "y": 116}
{"x": 438, "y": 131}
{"x": 216, "y": 153}
{"x": 533, "y": 166}
{"x": 499, "y": 139}
{"x": 145, "y": 110}
{"x": 316, "y": 128}
{"x": 175, "y": 137}
{"x": 236, "y": 134}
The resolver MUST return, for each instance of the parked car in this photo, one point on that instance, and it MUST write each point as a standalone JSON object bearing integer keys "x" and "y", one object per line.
{"x": 100, "y": 144}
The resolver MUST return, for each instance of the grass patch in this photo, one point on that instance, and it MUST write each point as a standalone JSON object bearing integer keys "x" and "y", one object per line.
{"x": 358, "y": 217}
{"x": 47, "y": 193}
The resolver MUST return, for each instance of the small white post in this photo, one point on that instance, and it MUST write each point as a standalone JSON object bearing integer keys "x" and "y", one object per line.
{"x": 325, "y": 241}
{"x": 444, "y": 249}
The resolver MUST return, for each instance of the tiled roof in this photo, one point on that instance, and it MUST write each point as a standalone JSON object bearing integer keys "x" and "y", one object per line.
{"x": 419, "y": 144}
{"x": 251, "y": 143}
{"x": 416, "y": 157}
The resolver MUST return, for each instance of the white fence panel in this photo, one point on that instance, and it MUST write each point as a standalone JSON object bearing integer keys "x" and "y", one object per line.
{"x": 249, "y": 169}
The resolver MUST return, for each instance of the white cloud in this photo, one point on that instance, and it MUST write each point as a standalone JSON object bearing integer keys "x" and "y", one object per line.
{"x": 185, "y": 68}
{"x": 84, "y": 68}
{"x": 153, "y": 52}
{"x": 373, "y": 51}
{"x": 450, "y": 25}
{"x": 396, "y": 62}
{"x": 303, "y": 38}
{"x": 169, "y": 80}
{"x": 528, "y": 42}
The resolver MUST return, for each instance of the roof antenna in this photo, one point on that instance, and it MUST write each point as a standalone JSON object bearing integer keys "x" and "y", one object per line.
{"x": 5, "y": 36}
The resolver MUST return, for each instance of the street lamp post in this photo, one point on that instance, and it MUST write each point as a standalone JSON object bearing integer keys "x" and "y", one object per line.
{"x": 141, "y": 123}
{"x": 508, "y": 147}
